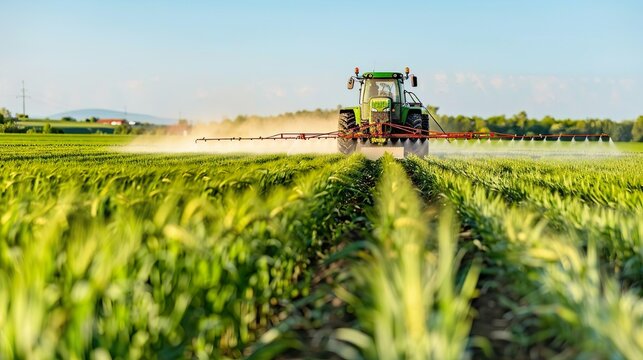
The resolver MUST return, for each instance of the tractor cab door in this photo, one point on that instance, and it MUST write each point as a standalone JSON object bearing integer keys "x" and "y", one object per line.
{"x": 374, "y": 88}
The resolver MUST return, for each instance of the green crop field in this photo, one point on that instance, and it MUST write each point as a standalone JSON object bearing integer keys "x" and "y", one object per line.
{"x": 109, "y": 254}
{"x": 61, "y": 124}
{"x": 33, "y": 141}
{"x": 630, "y": 146}
{"x": 67, "y": 127}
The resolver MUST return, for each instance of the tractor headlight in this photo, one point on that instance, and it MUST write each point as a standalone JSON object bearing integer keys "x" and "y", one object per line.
{"x": 386, "y": 109}
{"x": 373, "y": 110}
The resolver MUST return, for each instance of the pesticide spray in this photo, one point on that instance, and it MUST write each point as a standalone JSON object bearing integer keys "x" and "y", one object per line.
{"x": 185, "y": 143}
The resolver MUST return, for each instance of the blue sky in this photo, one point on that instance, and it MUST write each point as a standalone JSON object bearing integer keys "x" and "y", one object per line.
{"x": 214, "y": 59}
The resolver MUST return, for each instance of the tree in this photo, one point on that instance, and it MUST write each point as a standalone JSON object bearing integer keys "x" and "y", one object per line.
{"x": 622, "y": 131}
{"x": 520, "y": 119}
{"x": 637, "y": 129}
{"x": 5, "y": 115}
{"x": 46, "y": 129}
{"x": 6, "y": 121}
{"x": 497, "y": 123}
{"x": 558, "y": 128}
{"x": 122, "y": 130}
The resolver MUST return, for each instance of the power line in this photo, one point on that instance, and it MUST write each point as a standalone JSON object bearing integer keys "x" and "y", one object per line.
{"x": 24, "y": 97}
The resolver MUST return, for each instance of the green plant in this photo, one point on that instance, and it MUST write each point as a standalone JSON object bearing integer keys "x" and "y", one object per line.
{"x": 406, "y": 298}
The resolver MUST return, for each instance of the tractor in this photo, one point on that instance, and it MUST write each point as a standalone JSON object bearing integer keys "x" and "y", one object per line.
{"x": 383, "y": 104}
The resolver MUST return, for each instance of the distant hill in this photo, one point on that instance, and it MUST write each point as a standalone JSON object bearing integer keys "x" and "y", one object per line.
{"x": 82, "y": 114}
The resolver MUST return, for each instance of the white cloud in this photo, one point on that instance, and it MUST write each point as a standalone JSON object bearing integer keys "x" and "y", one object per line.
{"x": 627, "y": 84}
{"x": 497, "y": 82}
{"x": 134, "y": 84}
{"x": 511, "y": 82}
{"x": 202, "y": 94}
{"x": 441, "y": 82}
{"x": 544, "y": 89}
{"x": 441, "y": 78}
{"x": 615, "y": 96}
{"x": 477, "y": 81}
{"x": 276, "y": 91}
{"x": 304, "y": 90}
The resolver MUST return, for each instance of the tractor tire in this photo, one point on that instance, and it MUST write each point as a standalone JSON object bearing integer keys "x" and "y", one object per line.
{"x": 425, "y": 122}
{"x": 415, "y": 121}
{"x": 347, "y": 124}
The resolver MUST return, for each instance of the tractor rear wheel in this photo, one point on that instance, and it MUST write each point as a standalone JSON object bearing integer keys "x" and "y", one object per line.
{"x": 415, "y": 121}
{"x": 347, "y": 124}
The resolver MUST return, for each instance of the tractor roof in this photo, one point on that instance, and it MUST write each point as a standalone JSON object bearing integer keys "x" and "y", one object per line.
{"x": 383, "y": 75}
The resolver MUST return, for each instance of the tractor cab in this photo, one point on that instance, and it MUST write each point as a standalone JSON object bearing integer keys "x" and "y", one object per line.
{"x": 381, "y": 96}
{"x": 381, "y": 88}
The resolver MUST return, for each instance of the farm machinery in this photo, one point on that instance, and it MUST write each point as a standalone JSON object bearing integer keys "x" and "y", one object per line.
{"x": 390, "y": 118}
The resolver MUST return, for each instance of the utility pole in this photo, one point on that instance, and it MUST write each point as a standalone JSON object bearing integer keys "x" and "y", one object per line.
{"x": 23, "y": 96}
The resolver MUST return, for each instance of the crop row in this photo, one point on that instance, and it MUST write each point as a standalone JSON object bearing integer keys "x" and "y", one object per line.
{"x": 614, "y": 183}
{"x": 410, "y": 304}
{"x": 34, "y": 180}
{"x": 399, "y": 279}
{"x": 577, "y": 306}
{"x": 150, "y": 263}
{"x": 618, "y": 233}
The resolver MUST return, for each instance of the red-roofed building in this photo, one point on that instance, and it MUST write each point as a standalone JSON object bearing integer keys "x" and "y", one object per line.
{"x": 113, "y": 122}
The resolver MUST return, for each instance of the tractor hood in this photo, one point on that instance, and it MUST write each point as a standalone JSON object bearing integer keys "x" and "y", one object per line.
{"x": 380, "y": 110}
{"x": 378, "y": 104}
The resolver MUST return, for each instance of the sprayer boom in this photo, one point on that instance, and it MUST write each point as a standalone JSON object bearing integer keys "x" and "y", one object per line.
{"x": 392, "y": 131}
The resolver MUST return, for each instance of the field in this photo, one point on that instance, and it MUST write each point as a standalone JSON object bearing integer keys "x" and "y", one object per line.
{"x": 67, "y": 127}
{"x": 109, "y": 254}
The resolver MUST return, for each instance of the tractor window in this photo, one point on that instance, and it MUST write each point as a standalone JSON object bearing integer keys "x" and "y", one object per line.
{"x": 381, "y": 87}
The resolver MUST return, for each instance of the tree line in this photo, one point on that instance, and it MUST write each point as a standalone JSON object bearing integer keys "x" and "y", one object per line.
{"x": 520, "y": 123}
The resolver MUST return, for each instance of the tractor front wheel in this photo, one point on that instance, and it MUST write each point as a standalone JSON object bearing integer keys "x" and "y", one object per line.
{"x": 425, "y": 122}
{"x": 347, "y": 125}
{"x": 415, "y": 121}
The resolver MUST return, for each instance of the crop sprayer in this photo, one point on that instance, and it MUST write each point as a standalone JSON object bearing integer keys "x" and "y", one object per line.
{"x": 391, "y": 118}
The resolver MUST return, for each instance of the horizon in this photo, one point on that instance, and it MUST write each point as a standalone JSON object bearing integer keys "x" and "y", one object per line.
{"x": 207, "y": 62}
{"x": 169, "y": 121}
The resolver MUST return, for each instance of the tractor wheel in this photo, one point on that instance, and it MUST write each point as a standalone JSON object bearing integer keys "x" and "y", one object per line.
{"x": 415, "y": 121}
{"x": 346, "y": 125}
{"x": 425, "y": 122}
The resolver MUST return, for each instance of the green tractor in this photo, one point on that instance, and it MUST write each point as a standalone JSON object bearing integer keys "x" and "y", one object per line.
{"x": 388, "y": 116}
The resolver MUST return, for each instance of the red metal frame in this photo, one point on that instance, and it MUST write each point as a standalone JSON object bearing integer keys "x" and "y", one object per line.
{"x": 402, "y": 132}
